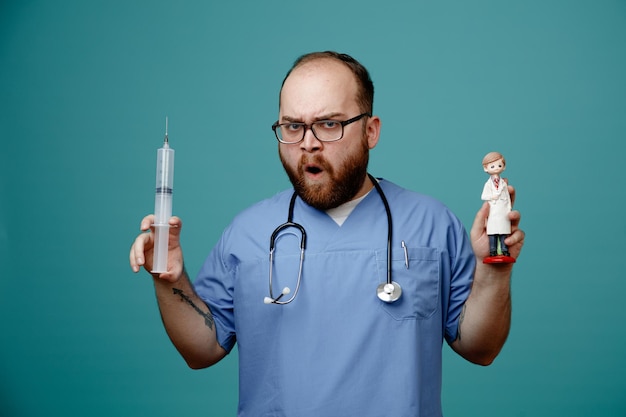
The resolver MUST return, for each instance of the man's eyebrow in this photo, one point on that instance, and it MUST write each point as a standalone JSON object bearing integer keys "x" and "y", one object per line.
{"x": 328, "y": 116}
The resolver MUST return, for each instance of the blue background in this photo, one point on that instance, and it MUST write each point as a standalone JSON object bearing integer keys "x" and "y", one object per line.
{"x": 85, "y": 90}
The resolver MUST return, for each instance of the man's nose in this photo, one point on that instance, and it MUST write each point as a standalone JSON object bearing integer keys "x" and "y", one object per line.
{"x": 310, "y": 143}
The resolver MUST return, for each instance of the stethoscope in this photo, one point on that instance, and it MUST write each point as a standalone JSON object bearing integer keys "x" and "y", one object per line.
{"x": 389, "y": 291}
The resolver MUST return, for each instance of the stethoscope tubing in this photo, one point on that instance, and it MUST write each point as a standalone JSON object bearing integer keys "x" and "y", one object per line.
{"x": 389, "y": 224}
{"x": 389, "y": 291}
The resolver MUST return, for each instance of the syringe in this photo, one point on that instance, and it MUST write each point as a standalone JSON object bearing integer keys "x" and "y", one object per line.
{"x": 163, "y": 204}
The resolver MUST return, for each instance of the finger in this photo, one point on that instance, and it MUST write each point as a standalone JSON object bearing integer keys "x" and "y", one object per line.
{"x": 134, "y": 260}
{"x": 147, "y": 222}
{"x": 511, "y": 190}
{"x": 514, "y": 217}
{"x": 176, "y": 222}
{"x": 137, "y": 257}
{"x": 175, "y": 226}
{"x": 517, "y": 237}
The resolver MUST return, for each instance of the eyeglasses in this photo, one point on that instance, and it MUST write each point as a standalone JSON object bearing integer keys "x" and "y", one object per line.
{"x": 323, "y": 130}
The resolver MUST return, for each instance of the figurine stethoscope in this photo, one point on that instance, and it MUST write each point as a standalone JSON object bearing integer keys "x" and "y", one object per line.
{"x": 388, "y": 291}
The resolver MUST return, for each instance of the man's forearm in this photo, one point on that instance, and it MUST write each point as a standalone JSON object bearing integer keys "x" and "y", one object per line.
{"x": 188, "y": 322}
{"x": 486, "y": 317}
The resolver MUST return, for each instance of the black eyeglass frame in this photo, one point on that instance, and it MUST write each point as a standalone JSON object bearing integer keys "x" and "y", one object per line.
{"x": 343, "y": 124}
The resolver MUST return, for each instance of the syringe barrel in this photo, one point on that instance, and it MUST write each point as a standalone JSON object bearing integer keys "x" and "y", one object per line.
{"x": 164, "y": 185}
{"x": 163, "y": 207}
{"x": 159, "y": 260}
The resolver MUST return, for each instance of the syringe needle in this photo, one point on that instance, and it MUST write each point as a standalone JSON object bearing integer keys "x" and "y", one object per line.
{"x": 166, "y": 140}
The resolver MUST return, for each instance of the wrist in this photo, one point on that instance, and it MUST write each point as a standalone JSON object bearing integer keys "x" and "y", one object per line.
{"x": 492, "y": 272}
{"x": 171, "y": 278}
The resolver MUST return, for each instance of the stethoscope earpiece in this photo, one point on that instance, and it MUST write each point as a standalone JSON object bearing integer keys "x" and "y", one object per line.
{"x": 270, "y": 300}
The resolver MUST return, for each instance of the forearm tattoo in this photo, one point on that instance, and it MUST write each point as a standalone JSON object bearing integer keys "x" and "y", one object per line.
{"x": 461, "y": 318}
{"x": 208, "y": 318}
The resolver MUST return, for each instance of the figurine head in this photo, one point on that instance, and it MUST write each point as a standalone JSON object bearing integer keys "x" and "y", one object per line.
{"x": 494, "y": 163}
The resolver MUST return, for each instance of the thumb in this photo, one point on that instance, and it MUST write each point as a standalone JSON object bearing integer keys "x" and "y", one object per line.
{"x": 176, "y": 226}
{"x": 478, "y": 227}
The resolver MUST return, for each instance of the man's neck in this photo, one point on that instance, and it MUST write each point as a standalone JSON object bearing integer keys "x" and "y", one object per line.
{"x": 365, "y": 188}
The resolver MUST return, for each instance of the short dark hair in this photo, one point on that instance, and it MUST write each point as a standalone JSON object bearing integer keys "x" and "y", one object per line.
{"x": 365, "y": 94}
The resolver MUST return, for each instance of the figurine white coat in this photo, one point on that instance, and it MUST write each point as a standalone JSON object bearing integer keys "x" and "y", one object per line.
{"x": 499, "y": 199}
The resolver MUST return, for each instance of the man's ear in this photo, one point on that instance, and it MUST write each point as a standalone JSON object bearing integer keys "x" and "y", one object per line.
{"x": 372, "y": 131}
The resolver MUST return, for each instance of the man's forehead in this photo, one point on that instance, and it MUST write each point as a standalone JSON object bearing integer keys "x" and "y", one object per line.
{"x": 319, "y": 82}
{"x": 326, "y": 69}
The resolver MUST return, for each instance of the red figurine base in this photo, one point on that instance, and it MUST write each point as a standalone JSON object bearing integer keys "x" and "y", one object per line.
{"x": 499, "y": 259}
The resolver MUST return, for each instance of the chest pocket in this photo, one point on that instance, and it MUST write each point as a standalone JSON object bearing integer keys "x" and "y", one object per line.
{"x": 420, "y": 283}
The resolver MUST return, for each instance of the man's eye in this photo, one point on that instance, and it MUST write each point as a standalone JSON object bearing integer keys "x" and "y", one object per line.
{"x": 329, "y": 124}
{"x": 293, "y": 127}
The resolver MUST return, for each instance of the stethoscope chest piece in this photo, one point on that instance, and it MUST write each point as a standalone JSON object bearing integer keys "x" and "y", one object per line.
{"x": 389, "y": 292}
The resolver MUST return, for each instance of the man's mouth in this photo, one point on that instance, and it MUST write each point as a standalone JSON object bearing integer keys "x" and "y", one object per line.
{"x": 313, "y": 169}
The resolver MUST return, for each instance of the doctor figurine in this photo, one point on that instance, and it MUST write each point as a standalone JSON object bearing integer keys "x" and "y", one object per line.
{"x": 498, "y": 224}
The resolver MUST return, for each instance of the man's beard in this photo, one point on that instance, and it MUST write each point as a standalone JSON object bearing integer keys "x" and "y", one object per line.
{"x": 343, "y": 183}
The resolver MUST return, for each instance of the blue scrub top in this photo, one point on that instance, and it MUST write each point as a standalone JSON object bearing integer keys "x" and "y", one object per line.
{"x": 337, "y": 349}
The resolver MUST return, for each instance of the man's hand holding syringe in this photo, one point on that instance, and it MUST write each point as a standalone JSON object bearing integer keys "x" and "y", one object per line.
{"x": 158, "y": 250}
{"x": 142, "y": 250}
